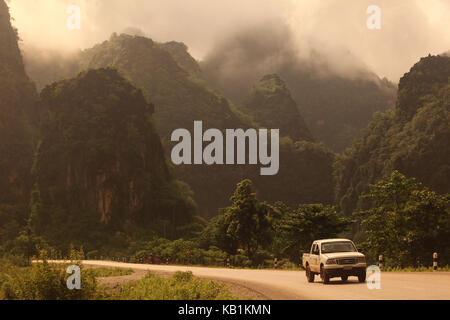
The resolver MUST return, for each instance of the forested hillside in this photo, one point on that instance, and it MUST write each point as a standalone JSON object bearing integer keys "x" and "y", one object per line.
{"x": 179, "y": 97}
{"x": 413, "y": 138}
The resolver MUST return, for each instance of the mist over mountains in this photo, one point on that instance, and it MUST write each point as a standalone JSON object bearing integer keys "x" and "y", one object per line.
{"x": 410, "y": 29}
{"x": 335, "y": 102}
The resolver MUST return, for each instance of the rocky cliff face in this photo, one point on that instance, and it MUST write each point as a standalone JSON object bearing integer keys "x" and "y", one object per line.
{"x": 17, "y": 116}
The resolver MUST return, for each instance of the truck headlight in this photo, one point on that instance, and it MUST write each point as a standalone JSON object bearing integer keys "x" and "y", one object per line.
{"x": 331, "y": 261}
{"x": 361, "y": 260}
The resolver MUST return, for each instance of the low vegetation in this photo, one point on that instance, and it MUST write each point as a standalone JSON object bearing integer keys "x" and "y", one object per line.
{"x": 48, "y": 281}
{"x": 180, "y": 286}
{"x": 418, "y": 269}
{"x": 110, "y": 272}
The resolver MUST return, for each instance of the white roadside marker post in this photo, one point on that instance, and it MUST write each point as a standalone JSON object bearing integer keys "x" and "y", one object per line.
{"x": 435, "y": 261}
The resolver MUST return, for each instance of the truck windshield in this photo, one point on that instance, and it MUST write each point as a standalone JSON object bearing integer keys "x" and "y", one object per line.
{"x": 341, "y": 246}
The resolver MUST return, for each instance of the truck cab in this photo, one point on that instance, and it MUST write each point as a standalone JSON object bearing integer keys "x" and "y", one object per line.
{"x": 331, "y": 258}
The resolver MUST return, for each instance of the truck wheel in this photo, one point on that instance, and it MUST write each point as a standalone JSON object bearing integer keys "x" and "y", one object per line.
{"x": 362, "y": 277}
{"x": 344, "y": 278}
{"x": 309, "y": 274}
{"x": 325, "y": 277}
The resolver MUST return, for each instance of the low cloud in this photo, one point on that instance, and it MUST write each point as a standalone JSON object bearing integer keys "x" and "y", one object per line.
{"x": 335, "y": 29}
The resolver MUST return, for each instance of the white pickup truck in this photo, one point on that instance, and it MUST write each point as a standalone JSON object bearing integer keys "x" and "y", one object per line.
{"x": 334, "y": 258}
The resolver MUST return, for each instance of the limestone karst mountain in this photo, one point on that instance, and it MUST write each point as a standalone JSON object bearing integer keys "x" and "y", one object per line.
{"x": 413, "y": 138}
{"x": 100, "y": 163}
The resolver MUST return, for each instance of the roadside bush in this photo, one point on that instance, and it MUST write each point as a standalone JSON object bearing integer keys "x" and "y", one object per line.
{"x": 177, "y": 252}
{"x": 93, "y": 254}
{"x": 262, "y": 259}
{"x": 287, "y": 264}
{"x": 241, "y": 260}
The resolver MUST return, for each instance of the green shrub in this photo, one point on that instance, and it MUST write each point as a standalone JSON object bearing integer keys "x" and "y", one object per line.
{"x": 45, "y": 281}
{"x": 287, "y": 264}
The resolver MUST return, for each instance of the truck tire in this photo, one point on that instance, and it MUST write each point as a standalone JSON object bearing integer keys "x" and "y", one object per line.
{"x": 344, "y": 278}
{"x": 309, "y": 275}
{"x": 362, "y": 276}
{"x": 323, "y": 274}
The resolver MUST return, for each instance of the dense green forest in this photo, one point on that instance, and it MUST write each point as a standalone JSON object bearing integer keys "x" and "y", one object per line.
{"x": 85, "y": 161}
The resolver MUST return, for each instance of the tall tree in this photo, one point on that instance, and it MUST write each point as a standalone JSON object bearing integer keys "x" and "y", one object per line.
{"x": 405, "y": 222}
{"x": 246, "y": 222}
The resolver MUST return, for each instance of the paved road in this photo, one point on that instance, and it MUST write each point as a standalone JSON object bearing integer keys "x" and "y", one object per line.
{"x": 280, "y": 284}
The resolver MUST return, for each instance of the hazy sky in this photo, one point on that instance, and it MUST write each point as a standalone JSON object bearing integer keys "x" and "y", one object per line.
{"x": 410, "y": 28}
